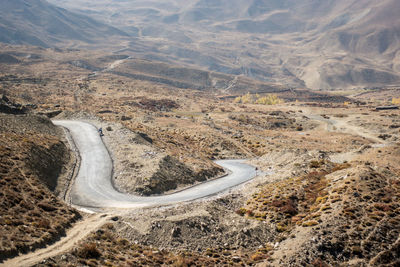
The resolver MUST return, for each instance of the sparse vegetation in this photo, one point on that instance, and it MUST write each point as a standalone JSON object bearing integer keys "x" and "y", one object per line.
{"x": 396, "y": 101}
{"x": 336, "y": 213}
{"x": 282, "y": 203}
{"x": 269, "y": 99}
{"x": 31, "y": 215}
{"x": 88, "y": 251}
{"x": 105, "y": 248}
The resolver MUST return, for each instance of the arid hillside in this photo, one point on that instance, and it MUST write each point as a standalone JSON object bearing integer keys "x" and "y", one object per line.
{"x": 155, "y": 101}
{"x": 327, "y": 185}
{"x": 327, "y": 193}
{"x": 37, "y": 22}
{"x": 315, "y": 44}
{"x": 32, "y": 159}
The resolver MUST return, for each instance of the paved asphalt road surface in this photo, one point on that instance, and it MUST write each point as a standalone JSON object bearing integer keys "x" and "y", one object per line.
{"x": 93, "y": 187}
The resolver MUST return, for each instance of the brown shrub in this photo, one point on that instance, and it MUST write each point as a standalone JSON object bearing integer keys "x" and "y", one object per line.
{"x": 250, "y": 213}
{"x": 46, "y": 206}
{"x": 289, "y": 208}
{"x": 278, "y": 203}
{"x": 315, "y": 164}
{"x": 44, "y": 223}
{"x": 89, "y": 251}
{"x": 241, "y": 211}
{"x": 319, "y": 263}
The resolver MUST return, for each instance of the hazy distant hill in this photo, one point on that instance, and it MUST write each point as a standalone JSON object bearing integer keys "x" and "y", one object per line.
{"x": 37, "y": 22}
{"x": 314, "y": 43}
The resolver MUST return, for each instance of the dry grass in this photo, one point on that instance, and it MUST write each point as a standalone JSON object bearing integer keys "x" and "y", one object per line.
{"x": 106, "y": 248}
{"x": 353, "y": 210}
{"x": 31, "y": 216}
{"x": 295, "y": 201}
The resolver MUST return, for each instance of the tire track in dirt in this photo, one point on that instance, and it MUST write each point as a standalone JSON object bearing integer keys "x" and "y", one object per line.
{"x": 73, "y": 236}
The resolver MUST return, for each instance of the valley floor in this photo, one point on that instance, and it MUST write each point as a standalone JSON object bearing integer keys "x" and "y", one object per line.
{"x": 296, "y": 212}
{"x": 326, "y": 194}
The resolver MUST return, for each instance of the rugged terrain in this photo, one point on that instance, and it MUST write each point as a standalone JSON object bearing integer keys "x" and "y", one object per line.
{"x": 307, "y": 43}
{"x": 314, "y": 204}
{"x": 327, "y": 192}
{"x": 42, "y": 24}
{"x": 33, "y": 158}
{"x": 172, "y": 125}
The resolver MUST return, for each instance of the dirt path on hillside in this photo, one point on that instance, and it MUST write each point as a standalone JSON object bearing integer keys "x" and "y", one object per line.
{"x": 343, "y": 125}
{"x": 73, "y": 236}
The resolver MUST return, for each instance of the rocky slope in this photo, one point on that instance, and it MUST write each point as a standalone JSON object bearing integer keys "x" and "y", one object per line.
{"x": 32, "y": 157}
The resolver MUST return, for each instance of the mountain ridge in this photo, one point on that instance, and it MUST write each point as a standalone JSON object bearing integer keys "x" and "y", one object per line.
{"x": 40, "y": 23}
{"x": 314, "y": 44}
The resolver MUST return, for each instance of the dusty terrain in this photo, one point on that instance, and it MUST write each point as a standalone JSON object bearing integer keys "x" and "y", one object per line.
{"x": 342, "y": 44}
{"x": 307, "y": 210}
{"x": 327, "y": 192}
{"x": 180, "y": 135}
{"x": 32, "y": 159}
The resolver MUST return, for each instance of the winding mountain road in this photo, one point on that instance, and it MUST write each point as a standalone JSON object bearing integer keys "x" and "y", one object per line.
{"x": 93, "y": 186}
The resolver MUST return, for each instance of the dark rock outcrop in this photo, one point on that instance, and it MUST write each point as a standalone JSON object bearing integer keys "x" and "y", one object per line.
{"x": 7, "y": 106}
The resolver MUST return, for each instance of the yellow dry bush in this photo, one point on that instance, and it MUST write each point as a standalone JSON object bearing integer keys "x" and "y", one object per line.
{"x": 269, "y": 100}
{"x": 247, "y": 99}
{"x": 310, "y": 223}
{"x": 396, "y": 101}
{"x": 238, "y": 100}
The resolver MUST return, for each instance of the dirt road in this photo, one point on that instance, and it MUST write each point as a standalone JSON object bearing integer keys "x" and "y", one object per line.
{"x": 73, "y": 236}
{"x": 343, "y": 126}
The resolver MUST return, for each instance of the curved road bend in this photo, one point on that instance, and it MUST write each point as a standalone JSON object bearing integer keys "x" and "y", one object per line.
{"x": 93, "y": 187}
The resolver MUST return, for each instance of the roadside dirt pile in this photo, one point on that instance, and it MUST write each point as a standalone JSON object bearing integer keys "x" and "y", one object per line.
{"x": 31, "y": 158}
{"x": 200, "y": 226}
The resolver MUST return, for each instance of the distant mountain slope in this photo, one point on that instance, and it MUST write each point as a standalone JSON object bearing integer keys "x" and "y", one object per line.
{"x": 37, "y": 22}
{"x": 321, "y": 44}
{"x": 359, "y": 45}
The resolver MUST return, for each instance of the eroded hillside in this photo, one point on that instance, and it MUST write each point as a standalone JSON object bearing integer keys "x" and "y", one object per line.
{"x": 307, "y": 43}
{"x": 32, "y": 159}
